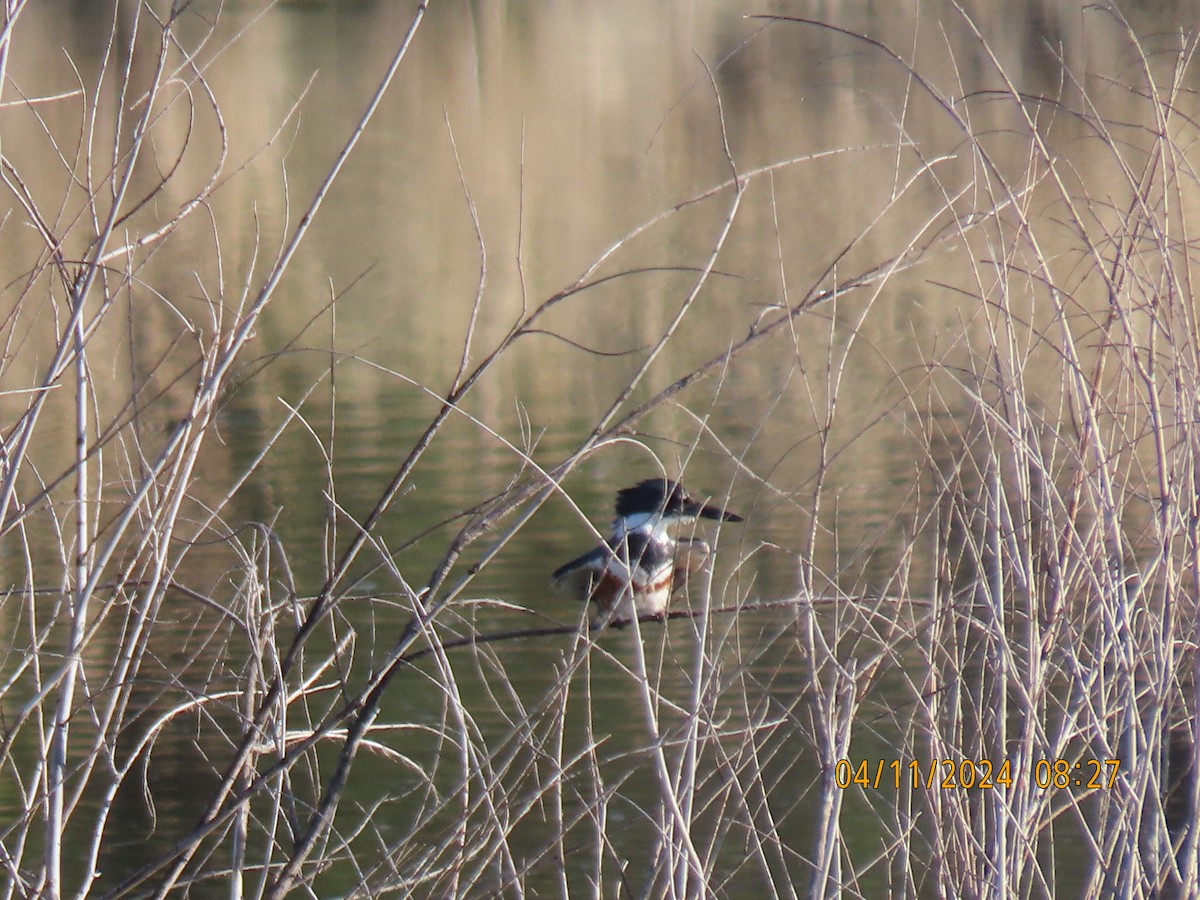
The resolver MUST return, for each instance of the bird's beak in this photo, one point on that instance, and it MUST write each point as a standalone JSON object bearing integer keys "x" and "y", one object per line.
{"x": 704, "y": 511}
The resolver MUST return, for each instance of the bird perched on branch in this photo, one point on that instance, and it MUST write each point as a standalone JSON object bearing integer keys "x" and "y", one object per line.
{"x": 636, "y": 570}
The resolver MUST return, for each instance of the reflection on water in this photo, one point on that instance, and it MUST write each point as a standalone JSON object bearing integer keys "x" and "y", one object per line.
{"x": 514, "y": 150}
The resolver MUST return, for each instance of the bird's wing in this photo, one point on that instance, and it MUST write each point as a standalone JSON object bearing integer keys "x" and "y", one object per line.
{"x": 579, "y": 577}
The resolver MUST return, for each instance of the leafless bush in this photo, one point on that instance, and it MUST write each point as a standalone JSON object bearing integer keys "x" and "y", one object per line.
{"x": 1040, "y": 605}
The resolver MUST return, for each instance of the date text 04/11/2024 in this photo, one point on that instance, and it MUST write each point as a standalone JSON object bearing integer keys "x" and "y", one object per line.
{"x": 981, "y": 774}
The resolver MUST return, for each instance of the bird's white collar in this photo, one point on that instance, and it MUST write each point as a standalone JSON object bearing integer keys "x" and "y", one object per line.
{"x": 652, "y": 522}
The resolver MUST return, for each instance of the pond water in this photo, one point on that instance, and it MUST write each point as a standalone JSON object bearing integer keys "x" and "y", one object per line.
{"x": 518, "y": 147}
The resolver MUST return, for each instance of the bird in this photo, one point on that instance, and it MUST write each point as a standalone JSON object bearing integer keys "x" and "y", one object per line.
{"x": 636, "y": 570}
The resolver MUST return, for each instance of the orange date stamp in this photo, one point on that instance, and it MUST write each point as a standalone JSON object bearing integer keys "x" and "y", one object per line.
{"x": 977, "y": 774}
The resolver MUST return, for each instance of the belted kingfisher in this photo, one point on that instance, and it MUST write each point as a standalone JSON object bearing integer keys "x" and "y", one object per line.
{"x": 638, "y": 567}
